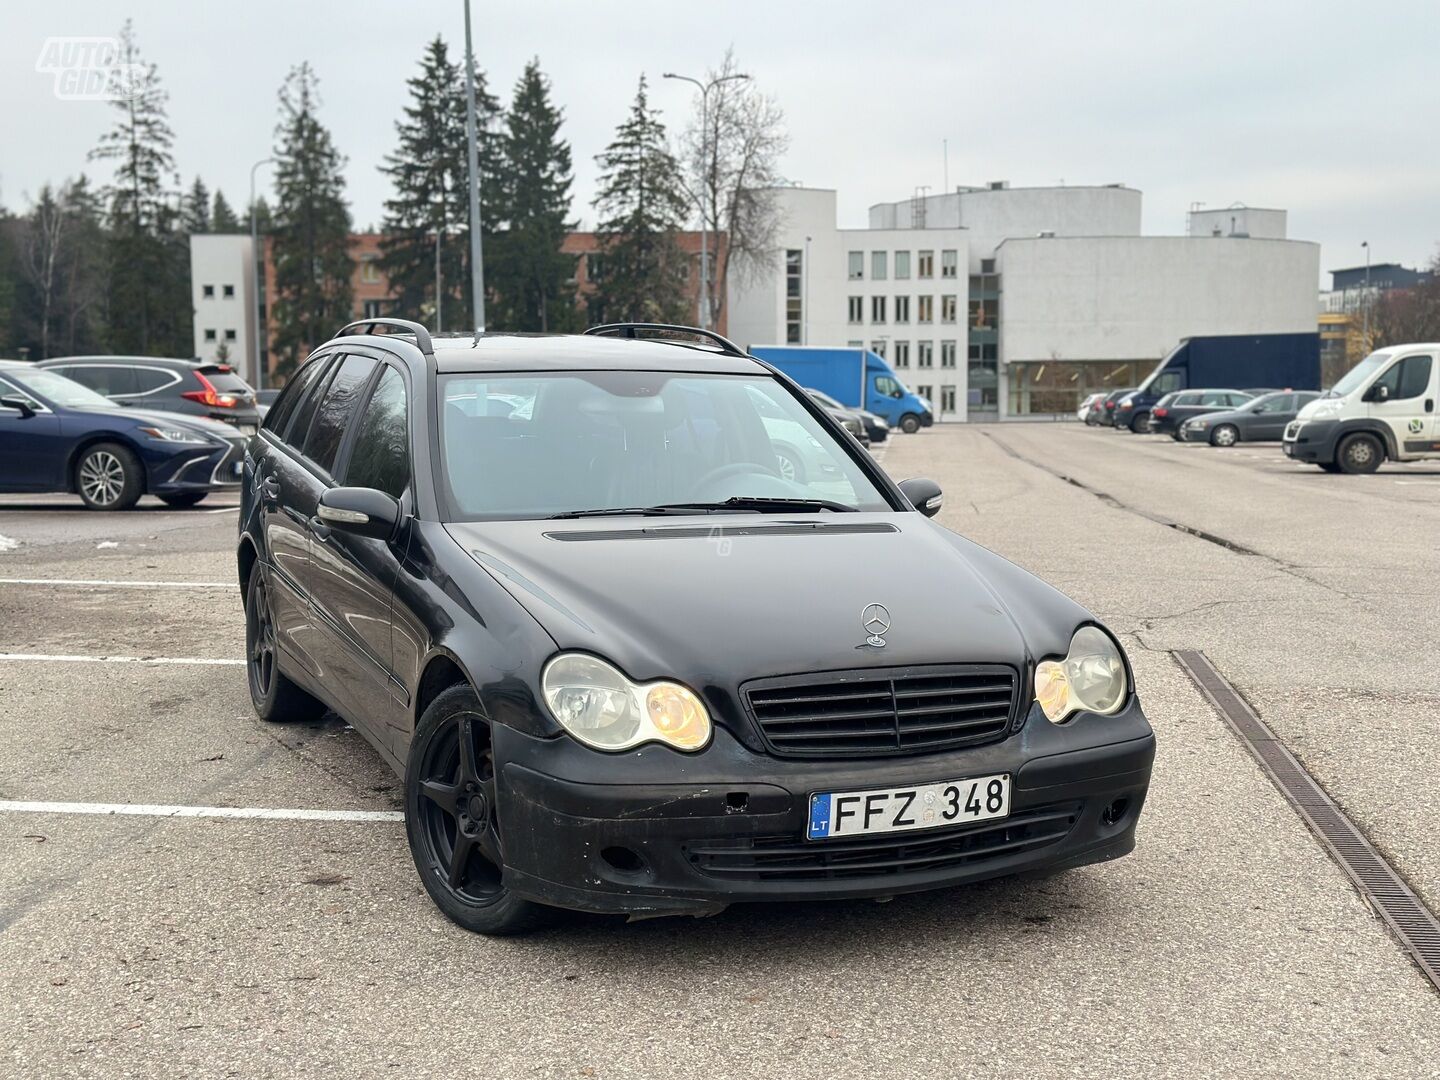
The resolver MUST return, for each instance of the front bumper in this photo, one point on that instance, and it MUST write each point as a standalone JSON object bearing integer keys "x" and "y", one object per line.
{"x": 1311, "y": 441}
{"x": 660, "y": 833}
{"x": 217, "y": 469}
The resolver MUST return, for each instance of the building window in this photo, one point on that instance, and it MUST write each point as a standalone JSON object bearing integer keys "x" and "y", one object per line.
{"x": 948, "y": 264}
{"x": 947, "y": 354}
{"x": 948, "y": 308}
{"x": 372, "y": 309}
{"x": 902, "y": 309}
{"x": 209, "y": 335}
{"x": 947, "y": 399}
{"x": 987, "y": 266}
{"x": 794, "y": 288}
{"x": 229, "y": 335}
{"x": 207, "y": 291}
{"x": 925, "y": 354}
{"x": 925, "y": 265}
{"x": 982, "y": 314}
{"x": 855, "y": 344}
{"x": 857, "y": 309}
{"x": 877, "y": 309}
{"x": 594, "y": 266}
{"x": 878, "y": 268}
{"x": 369, "y": 271}
{"x": 228, "y": 291}
{"x": 925, "y": 391}
{"x": 857, "y": 265}
{"x": 902, "y": 266}
{"x": 878, "y": 348}
{"x": 926, "y": 313}
{"x": 902, "y": 354}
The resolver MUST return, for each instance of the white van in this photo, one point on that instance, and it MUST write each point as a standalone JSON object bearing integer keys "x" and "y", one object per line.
{"x": 1384, "y": 407}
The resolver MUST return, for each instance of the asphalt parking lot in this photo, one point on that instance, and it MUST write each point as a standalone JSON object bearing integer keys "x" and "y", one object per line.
{"x": 256, "y": 945}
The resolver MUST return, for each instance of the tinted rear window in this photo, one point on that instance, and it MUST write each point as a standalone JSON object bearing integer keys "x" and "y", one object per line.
{"x": 298, "y": 400}
{"x": 226, "y": 382}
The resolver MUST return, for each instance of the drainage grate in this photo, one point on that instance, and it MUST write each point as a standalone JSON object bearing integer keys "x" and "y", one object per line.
{"x": 1410, "y": 920}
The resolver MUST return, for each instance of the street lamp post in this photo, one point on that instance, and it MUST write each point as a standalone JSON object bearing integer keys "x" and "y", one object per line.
{"x": 1365, "y": 296}
{"x": 256, "y": 374}
{"x": 705, "y": 89}
{"x": 477, "y": 265}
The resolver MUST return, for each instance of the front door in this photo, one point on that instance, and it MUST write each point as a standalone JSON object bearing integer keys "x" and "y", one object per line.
{"x": 1404, "y": 399}
{"x": 1267, "y": 421}
{"x": 31, "y": 448}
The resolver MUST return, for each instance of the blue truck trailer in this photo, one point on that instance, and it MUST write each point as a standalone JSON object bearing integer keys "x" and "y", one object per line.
{"x": 856, "y": 378}
{"x": 1225, "y": 362}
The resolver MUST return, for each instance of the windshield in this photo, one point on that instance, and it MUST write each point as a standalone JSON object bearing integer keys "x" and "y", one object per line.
{"x": 59, "y": 390}
{"x": 1359, "y": 374}
{"x": 535, "y": 445}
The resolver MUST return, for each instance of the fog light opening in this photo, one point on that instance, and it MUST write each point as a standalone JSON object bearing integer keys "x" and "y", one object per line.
{"x": 1115, "y": 812}
{"x": 737, "y": 802}
{"x": 624, "y": 859}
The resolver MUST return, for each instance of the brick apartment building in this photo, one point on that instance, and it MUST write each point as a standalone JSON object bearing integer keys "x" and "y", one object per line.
{"x": 371, "y": 288}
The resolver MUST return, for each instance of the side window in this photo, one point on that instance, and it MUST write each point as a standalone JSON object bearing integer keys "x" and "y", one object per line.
{"x": 289, "y": 400}
{"x": 381, "y": 458}
{"x": 1185, "y": 399}
{"x": 1414, "y": 377}
{"x": 107, "y": 379}
{"x": 337, "y": 406}
{"x": 148, "y": 380}
{"x": 1234, "y": 400}
{"x": 888, "y": 386}
{"x": 1166, "y": 383}
{"x": 1282, "y": 404}
{"x": 1213, "y": 398}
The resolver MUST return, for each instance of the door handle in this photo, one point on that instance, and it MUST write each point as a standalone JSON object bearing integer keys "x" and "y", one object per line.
{"x": 1429, "y": 404}
{"x": 319, "y": 529}
{"x": 270, "y": 489}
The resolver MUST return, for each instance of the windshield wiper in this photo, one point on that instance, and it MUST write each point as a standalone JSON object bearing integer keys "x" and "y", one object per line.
{"x": 763, "y": 504}
{"x": 624, "y": 511}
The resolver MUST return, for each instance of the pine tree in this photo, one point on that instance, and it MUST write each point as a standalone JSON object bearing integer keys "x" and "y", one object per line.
{"x": 311, "y": 227}
{"x": 641, "y": 205}
{"x": 196, "y": 215}
{"x": 532, "y": 278}
{"x": 222, "y": 218}
{"x": 431, "y": 173}
{"x": 150, "y": 309}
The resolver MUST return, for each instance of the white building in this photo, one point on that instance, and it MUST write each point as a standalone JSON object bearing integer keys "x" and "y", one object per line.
{"x": 222, "y": 287}
{"x": 1060, "y": 295}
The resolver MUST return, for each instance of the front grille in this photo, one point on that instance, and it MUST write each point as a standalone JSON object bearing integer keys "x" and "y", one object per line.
{"x": 224, "y": 472}
{"x": 787, "y": 858}
{"x": 883, "y": 710}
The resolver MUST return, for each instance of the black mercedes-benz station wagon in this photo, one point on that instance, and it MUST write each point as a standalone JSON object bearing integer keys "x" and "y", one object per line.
{"x": 625, "y": 665}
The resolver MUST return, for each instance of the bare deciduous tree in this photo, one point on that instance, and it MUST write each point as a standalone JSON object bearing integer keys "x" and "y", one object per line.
{"x": 731, "y": 163}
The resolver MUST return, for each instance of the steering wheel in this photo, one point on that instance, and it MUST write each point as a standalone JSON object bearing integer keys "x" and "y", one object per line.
{"x": 735, "y": 468}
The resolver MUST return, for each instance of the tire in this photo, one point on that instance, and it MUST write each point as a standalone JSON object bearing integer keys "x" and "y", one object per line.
{"x": 276, "y": 699}
{"x": 909, "y": 423}
{"x": 1328, "y": 466}
{"x": 1225, "y": 435}
{"x": 1359, "y": 454}
{"x": 183, "y": 502}
{"x": 450, "y": 795}
{"x": 1140, "y": 423}
{"x": 108, "y": 476}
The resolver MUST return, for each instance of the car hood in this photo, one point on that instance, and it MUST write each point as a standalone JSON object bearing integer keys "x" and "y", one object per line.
{"x": 160, "y": 418}
{"x": 721, "y": 599}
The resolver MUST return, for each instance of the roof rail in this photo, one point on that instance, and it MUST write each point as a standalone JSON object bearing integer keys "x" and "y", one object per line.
{"x": 422, "y": 336}
{"x": 628, "y": 330}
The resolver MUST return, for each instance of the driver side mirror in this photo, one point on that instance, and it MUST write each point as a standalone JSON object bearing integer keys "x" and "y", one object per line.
{"x": 1379, "y": 392}
{"x": 19, "y": 404}
{"x": 362, "y": 511}
{"x": 923, "y": 494}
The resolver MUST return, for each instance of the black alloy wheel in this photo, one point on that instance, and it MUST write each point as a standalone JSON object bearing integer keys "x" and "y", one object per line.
{"x": 274, "y": 697}
{"x": 452, "y": 818}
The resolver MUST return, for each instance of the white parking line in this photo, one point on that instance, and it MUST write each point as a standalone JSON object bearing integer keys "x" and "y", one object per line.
{"x": 100, "y": 583}
{"x": 60, "y": 658}
{"x": 21, "y": 806}
{"x": 221, "y": 510}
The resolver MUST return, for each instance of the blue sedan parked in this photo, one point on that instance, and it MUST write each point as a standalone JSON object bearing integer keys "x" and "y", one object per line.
{"x": 56, "y": 435}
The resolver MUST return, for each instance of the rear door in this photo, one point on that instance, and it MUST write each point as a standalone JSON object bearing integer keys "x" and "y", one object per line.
{"x": 1183, "y": 407}
{"x": 1409, "y": 408}
{"x": 287, "y": 494}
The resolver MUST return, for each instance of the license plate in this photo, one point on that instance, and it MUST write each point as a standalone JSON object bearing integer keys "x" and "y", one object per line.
{"x": 922, "y": 806}
{"x": 1289, "y": 450}
{"x": 238, "y": 468}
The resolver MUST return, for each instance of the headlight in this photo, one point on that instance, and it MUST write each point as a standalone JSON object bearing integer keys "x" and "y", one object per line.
{"x": 597, "y": 704}
{"x": 1091, "y": 677}
{"x": 1199, "y": 425}
{"x": 1323, "y": 410}
{"x": 166, "y": 434}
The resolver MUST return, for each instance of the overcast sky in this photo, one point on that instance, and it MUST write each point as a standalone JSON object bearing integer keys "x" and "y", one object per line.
{"x": 1329, "y": 110}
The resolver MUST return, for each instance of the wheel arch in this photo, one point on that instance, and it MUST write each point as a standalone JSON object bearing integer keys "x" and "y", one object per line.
{"x": 442, "y": 670}
{"x": 94, "y": 438}
{"x": 245, "y": 559}
{"x": 1369, "y": 426}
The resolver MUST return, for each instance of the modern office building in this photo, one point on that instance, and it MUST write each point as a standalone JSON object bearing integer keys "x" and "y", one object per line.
{"x": 222, "y": 289}
{"x": 1059, "y": 294}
